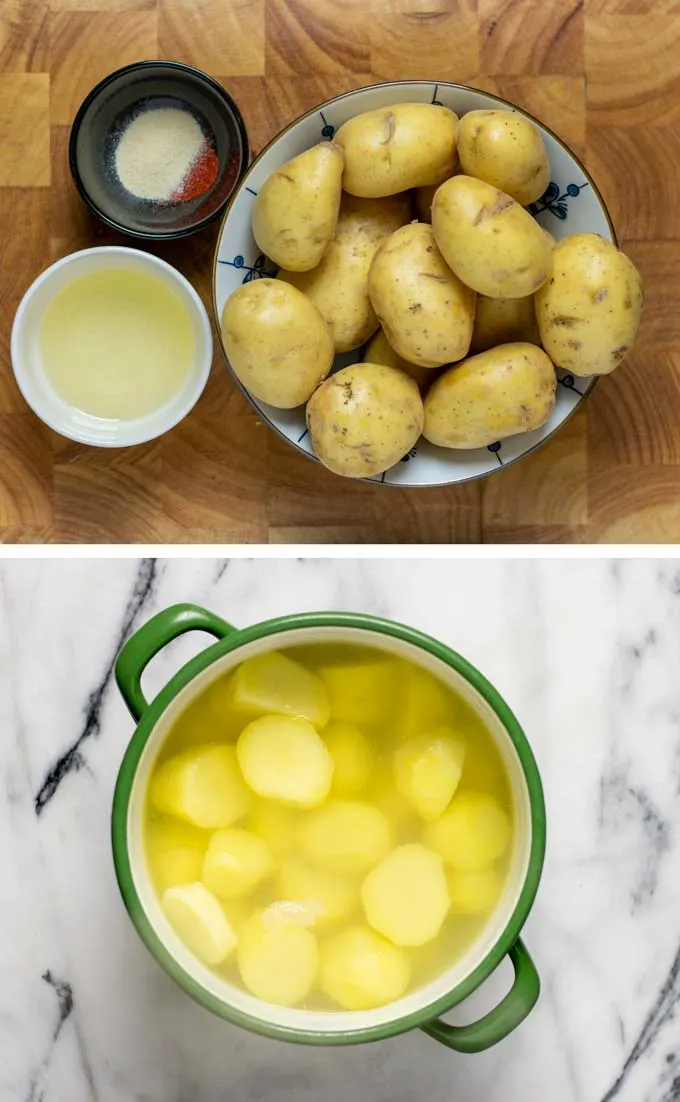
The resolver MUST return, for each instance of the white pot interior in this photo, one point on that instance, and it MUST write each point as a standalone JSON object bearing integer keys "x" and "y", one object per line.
{"x": 318, "y": 1021}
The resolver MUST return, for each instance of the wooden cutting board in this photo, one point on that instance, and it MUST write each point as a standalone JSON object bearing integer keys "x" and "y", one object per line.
{"x": 605, "y": 74}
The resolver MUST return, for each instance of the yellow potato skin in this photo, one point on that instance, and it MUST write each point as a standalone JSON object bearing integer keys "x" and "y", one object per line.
{"x": 296, "y": 209}
{"x": 380, "y": 351}
{"x": 395, "y": 148}
{"x": 276, "y": 341}
{"x": 426, "y": 312}
{"x": 499, "y": 393}
{"x": 507, "y": 151}
{"x": 490, "y": 242}
{"x": 338, "y": 287}
{"x": 503, "y": 321}
{"x": 589, "y": 311}
{"x": 364, "y": 419}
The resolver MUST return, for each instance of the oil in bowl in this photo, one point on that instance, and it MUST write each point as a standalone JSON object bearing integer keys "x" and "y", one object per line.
{"x": 111, "y": 346}
{"x": 117, "y": 344}
{"x": 329, "y": 827}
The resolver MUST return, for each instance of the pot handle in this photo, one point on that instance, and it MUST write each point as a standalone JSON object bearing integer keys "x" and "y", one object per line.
{"x": 503, "y": 1019}
{"x": 151, "y": 638}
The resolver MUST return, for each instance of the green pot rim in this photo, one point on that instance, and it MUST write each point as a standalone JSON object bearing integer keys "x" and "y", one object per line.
{"x": 125, "y": 782}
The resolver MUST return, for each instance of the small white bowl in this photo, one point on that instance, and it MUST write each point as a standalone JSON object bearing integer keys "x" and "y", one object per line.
{"x": 29, "y": 369}
{"x": 572, "y": 204}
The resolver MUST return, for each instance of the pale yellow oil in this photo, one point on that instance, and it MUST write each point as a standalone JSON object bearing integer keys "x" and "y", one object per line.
{"x": 117, "y": 344}
{"x": 208, "y": 720}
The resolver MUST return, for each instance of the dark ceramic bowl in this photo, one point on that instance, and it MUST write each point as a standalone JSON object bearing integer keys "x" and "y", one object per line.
{"x": 112, "y": 104}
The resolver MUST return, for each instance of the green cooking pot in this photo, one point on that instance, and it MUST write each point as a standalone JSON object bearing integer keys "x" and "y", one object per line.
{"x": 423, "y": 1007}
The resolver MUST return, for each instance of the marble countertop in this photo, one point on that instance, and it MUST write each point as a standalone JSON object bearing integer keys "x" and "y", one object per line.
{"x": 587, "y": 653}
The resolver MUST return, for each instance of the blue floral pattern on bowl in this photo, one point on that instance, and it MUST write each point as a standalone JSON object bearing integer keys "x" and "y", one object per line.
{"x": 571, "y": 204}
{"x": 258, "y": 270}
{"x": 554, "y": 202}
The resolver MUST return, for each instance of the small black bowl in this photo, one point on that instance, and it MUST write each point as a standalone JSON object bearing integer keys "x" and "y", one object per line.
{"x": 112, "y": 104}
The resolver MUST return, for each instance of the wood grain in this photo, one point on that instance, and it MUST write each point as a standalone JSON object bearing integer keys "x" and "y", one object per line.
{"x": 604, "y": 74}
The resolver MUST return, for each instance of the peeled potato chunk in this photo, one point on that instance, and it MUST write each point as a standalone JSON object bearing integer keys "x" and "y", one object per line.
{"x": 235, "y": 863}
{"x": 278, "y": 958}
{"x": 329, "y": 896}
{"x": 405, "y": 897}
{"x": 399, "y": 811}
{"x": 427, "y": 771}
{"x": 360, "y": 692}
{"x": 300, "y": 912}
{"x": 474, "y": 892}
{"x": 346, "y": 836}
{"x": 353, "y": 756}
{"x": 273, "y": 684}
{"x": 175, "y": 851}
{"x": 200, "y": 922}
{"x": 177, "y": 866}
{"x": 285, "y": 759}
{"x": 276, "y": 825}
{"x": 423, "y": 702}
{"x": 360, "y": 970}
{"x": 472, "y": 834}
{"x": 237, "y": 911}
{"x": 202, "y": 785}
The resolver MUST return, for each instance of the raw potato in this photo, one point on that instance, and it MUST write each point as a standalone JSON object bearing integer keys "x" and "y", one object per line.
{"x": 284, "y": 759}
{"x": 273, "y": 683}
{"x": 358, "y": 691}
{"x": 427, "y": 771}
{"x": 473, "y": 893}
{"x": 397, "y": 148}
{"x": 296, "y": 209}
{"x": 364, "y": 419}
{"x": 424, "y": 309}
{"x": 491, "y": 396}
{"x": 200, "y": 922}
{"x": 352, "y": 755}
{"x": 589, "y": 312}
{"x": 380, "y": 351}
{"x": 406, "y": 898}
{"x": 360, "y": 970}
{"x": 236, "y": 862}
{"x": 504, "y": 321}
{"x": 329, "y": 896}
{"x": 277, "y": 957}
{"x": 202, "y": 785}
{"x": 338, "y": 286}
{"x": 507, "y": 151}
{"x": 276, "y": 341}
{"x": 472, "y": 834}
{"x": 346, "y": 836}
{"x": 489, "y": 240}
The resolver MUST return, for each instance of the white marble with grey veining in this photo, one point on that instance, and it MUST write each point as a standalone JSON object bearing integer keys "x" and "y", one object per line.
{"x": 587, "y": 653}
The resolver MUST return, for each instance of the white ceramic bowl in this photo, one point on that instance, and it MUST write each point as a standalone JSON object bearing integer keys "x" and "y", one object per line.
{"x": 572, "y": 204}
{"x": 27, "y": 359}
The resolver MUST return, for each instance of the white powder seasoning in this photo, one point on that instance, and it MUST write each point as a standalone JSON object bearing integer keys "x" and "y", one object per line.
{"x": 156, "y": 151}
